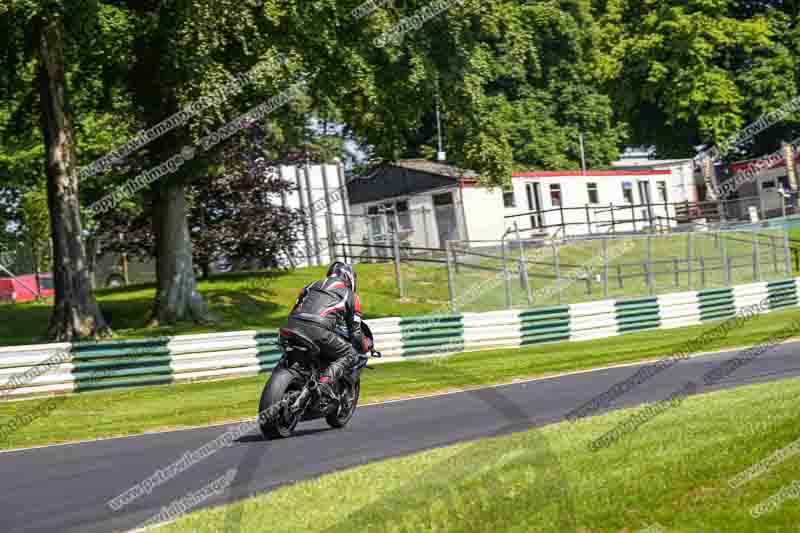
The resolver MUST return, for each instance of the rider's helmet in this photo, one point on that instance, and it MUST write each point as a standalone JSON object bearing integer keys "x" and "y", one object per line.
{"x": 345, "y": 272}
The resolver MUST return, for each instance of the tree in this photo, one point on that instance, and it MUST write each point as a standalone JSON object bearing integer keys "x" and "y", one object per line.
{"x": 237, "y": 217}
{"x": 40, "y": 119}
{"x": 35, "y": 228}
{"x": 76, "y": 313}
{"x": 185, "y": 51}
{"x": 515, "y": 83}
{"x": 673, "y": 68}
{"x": 35, "y": 83}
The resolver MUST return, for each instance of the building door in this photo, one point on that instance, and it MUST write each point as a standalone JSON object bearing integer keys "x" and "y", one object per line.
{"x": 446, "y": 221}
{"x": 534, "y": 194}
{"x": 646, "y": 201}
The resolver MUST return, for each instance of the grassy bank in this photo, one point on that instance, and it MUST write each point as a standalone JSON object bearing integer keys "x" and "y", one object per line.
{"x": 252, "y": 300}
{"x": 673, "y": 471}
{"x": 132, "y": 411}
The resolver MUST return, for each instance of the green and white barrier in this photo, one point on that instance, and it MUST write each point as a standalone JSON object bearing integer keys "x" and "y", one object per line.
{"x": 67, "y": 368}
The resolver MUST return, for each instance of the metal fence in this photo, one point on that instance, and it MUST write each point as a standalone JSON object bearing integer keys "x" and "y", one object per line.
{"x": 515, "y": 273}
{"x": 653, "y": 216}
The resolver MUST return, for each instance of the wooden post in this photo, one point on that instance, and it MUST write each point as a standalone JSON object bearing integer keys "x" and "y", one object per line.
{"x": 774, "y": 253}
{"x": 756, "y": 258}
{"x": 506, "y": 275}
{"x": 613, "y": 222}
{"x": 588, "y": 219}
{"x": 723, "y": 250}
{"x": 557, "y": 269}
{"x": 450, "y": 278}
{"x": 125, "y": 271}
{"x": 397, "y": 271}
{"x": 650, "y": 276}
{"x": 605, "y": 267}
{"x": 677, "y": 274}
{"x": 702, "y": 260}
{"x": 689, "y": 258}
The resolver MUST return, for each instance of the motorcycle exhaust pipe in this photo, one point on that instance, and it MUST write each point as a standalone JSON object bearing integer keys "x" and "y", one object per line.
{"x": 304, "y": 397}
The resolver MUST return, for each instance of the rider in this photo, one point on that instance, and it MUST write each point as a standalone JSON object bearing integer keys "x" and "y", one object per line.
{"x": 328, "y": 311}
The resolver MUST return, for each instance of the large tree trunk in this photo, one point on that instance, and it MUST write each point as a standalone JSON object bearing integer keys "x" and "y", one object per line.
{"x": 76, "y": 314}
{"x": 177, "y": 298}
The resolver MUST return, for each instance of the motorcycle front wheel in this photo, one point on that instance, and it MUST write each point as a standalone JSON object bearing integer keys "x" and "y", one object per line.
{"x": 342, "y": 416}
{"x": 281, "y": 384}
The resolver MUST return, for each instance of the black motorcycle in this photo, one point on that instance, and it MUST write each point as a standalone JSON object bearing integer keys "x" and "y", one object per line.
{"x": 293, "y": 395}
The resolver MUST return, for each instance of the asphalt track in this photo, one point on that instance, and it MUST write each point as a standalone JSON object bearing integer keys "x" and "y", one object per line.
{"x": 66, "y": 488}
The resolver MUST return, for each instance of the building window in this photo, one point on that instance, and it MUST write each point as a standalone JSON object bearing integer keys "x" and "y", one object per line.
{"x": 509, "y": 200}
{"x": 555, "y": 194}
{"x": 662, "y": 190}
{"x": 403, "y": 214}
{"x": 627, "y": 191}
{"x": 594, "y": 197}
{"x": 445, "y": 198}
{"x": 375, "y": 221}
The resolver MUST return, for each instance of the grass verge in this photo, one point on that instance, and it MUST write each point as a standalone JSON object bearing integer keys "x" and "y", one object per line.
{"x": 133, "y": 411}
{"x": 240, "y": 301}
{"x": 673, "y": 472}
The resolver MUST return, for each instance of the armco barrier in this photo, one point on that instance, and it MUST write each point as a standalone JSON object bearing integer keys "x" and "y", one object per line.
{"x": 66, "y": 368}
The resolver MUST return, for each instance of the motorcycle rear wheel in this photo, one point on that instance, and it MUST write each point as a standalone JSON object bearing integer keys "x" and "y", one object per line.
{"x": 342, "y": 415}
{"x": 280, "y": 385}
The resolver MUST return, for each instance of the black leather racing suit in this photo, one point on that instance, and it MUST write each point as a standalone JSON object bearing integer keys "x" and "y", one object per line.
{"x": 326, "y": 311}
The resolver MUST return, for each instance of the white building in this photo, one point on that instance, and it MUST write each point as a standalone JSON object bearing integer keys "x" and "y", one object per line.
{"x": 321, "y": 196}
{"x": 685, "y": 185}
{"x": 596, "y": 201}
{"x": 434, "y": 202}
{"x": 424, "y": 198}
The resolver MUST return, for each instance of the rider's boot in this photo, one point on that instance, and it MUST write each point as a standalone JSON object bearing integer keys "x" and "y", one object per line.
{"x": 332, "y": 375}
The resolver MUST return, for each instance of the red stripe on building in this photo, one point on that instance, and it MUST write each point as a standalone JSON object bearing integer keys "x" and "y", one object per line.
{"x": 743, "y": 166}
{"x": 590, "y": 173}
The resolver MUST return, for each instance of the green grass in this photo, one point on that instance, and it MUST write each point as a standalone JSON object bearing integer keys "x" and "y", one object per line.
{"x": 132, "y": 411}
{"x": 251, "y": 300}
{"x": 673, "y": 471}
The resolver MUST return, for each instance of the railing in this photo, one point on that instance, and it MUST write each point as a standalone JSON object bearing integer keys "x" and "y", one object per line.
{"x": 613, "y": 218}
{"x": 57, "y": 369}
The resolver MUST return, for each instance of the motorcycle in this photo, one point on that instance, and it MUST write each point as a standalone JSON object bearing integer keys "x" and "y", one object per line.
{"x": 293, "y": 395}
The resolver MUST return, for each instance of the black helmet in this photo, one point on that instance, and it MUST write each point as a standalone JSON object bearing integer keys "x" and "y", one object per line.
{"x": 344, "y": 271}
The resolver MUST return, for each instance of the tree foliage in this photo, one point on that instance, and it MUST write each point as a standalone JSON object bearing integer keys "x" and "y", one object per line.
{"x": 687, "y": 73}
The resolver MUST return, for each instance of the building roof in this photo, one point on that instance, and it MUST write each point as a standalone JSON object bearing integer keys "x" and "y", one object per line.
{"x": 404, "y": 178}
{"x": 433, "y": 167}
{"x": 649, "y": 163}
